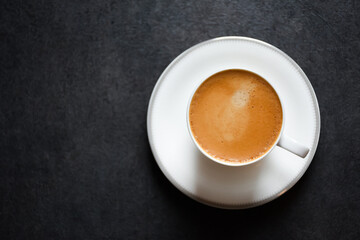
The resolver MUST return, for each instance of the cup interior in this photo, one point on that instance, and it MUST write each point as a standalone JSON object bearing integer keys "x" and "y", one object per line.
{"x": 228, "y": 163}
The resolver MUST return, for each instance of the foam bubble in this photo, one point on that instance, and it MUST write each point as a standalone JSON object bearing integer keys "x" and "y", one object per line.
{"x": 228, "y": 136}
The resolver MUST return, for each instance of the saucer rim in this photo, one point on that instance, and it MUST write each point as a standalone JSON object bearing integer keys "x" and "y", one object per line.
{"x": 240, "y": 205}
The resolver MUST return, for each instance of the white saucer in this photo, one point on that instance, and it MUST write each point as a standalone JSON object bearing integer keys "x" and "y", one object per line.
{"x": 209, "y": 182}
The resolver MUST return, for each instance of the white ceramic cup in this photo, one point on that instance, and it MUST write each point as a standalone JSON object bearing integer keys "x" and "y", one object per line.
{"x": 282, "y": 141}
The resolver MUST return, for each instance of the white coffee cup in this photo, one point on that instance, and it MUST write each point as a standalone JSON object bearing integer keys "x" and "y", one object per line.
{"x": 282, "y": 141}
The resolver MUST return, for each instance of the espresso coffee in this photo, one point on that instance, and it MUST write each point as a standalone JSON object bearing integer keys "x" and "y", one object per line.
{"x": 235, "y": 116}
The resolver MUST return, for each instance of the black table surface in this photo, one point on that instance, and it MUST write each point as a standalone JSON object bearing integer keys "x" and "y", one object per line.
{"x": 76, "y": 78}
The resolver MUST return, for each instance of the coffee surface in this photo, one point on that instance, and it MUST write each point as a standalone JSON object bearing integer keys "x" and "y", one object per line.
{"x": 235, "y": 116}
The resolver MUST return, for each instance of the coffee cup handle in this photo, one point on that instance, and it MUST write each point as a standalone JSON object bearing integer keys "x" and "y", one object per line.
{"x": 293, "y": 146}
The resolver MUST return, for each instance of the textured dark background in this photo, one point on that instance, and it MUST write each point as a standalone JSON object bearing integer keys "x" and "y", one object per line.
{"x": 75, "y": 81}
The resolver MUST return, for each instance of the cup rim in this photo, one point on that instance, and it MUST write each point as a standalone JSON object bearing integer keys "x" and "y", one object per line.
{"x": 224, "y": 162}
